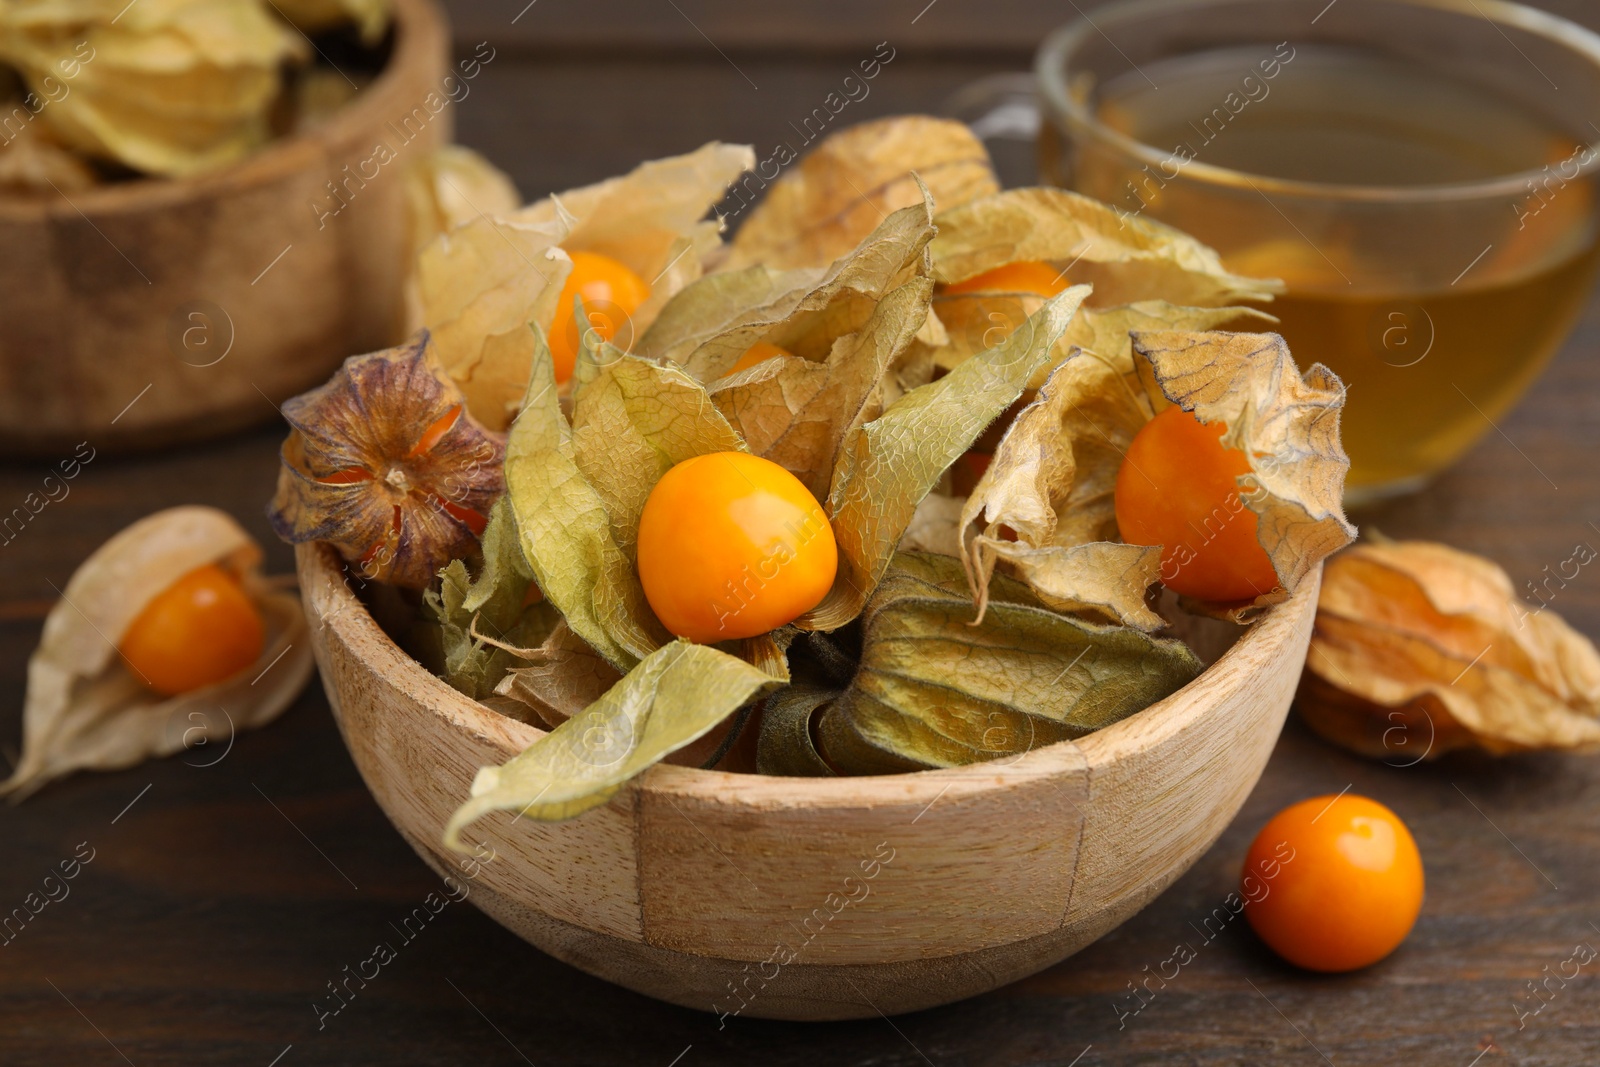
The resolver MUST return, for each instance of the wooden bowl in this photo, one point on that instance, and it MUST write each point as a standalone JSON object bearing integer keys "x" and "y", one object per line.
{"x": 813, "y": 898}
{"x": 170, "y": 295}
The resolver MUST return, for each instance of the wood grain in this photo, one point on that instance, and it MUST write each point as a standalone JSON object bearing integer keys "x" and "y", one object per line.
{"x": 152, "y": 311}
{"x": 207, "y": 924}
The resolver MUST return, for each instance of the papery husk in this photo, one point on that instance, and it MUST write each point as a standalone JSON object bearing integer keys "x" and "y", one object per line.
{"x": 567, "y": 534}
{"x": 32, "y": 162}
{"x": 676, "y": 695}
{"x": 935, "y": 690}
{"x": 1420, "y": 649}
{"x": 1125, "y": 259}
{"x": 474, "y": 625}
{"x": 1286, "y": 423}
{"x": 169, "y": 87}
{"x": 887, "y": 466}
{"x": 1052, "y": 481}
{"x": 409, "y": 517}
{"x": 479, "y": 285}
{"x": 842, "y": 189}
{"x": 85, "y": 709}
{"x": 843, "y": 331}
{"x": 369, "y": 17}
{"x": 560, "y": 678}
{"x": 450, "y": 187}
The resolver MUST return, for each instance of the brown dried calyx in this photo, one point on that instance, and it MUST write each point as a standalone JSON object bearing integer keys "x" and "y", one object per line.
{"x": 1420, "y": 648}
{"x": 385, "y": 463}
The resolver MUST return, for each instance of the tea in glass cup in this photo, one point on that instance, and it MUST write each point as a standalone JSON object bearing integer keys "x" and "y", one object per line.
{"x": 1420, "y": 173}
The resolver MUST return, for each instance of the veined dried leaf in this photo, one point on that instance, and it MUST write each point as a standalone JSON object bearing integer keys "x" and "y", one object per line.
{"x": 567, "y": 534}
{"x": 798, "y": 413}
{"x": 86, "y": 710}
{"x": 846, "y": 186}
{"x": 166, "y": 87}
{"x": 888, "y": 465}
{"x": 633, "y": 419}
{"x": 384, "y": 463}
{"x": 652, "y": 219}
{"x": 1420, "y": 649}
{"x": 677, "y": 694}
{"x": 805, "y": 311}
{"x": 935, "y": 526}
{"x": 935, "y": 690}
{"x": 1125, "y": 259}
{"x": 479, "y": 621}
{"x": 476, "y": 289}
{"x": 450, "y": 187}
{"x": 479, "y": 285}
{"x": 369, "y": 17}
{"x": 563, "y": 676}
{"x": 1286, "y": 423}
{"x": 1052, "y": 481}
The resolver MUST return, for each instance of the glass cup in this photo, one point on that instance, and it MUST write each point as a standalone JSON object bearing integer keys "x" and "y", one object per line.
{"x": 1437, "y": 302}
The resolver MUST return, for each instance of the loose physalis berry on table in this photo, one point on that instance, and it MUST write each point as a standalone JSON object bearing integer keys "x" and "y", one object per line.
{"x": 1333, "y": 883}
{"x": 1177, "y": 489}
{"x": 201, "y": 630}
{"x": 1040, "y": 279}
{"x": 731, "y": 546}
{"x": 611, "y": 294}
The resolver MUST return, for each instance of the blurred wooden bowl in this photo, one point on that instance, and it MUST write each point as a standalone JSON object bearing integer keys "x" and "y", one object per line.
{"x": 202, "y": 302}
{"x": 818, "y": 898}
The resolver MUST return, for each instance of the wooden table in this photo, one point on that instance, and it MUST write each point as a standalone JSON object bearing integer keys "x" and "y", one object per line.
{"x": 221, "y": 899}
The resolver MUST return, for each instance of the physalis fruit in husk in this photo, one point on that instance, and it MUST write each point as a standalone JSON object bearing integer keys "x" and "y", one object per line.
{"x": 1045, "y": 507}
{"x": 479, "y": 285}
{"x": 1420, "y": 649}
{"x": 580, "y": 488}
{"x": 167, "y": 87}
{"x": 822, "y": 208}
{"x": 92, "y": 703}
{"x": 385, "y": 463}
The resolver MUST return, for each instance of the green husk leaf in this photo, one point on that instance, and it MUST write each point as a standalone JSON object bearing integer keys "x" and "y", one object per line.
{"x": 1124, "y": 258}
{"x": 936, "y": 690}
{"x": 464, "y": 610}
{"x": 712, "y": 322}
{"x": 887, "y": 466}
{"x": 797, "y": 413}
{"x": 677, "y": 694}
{"x": 566, "y": 532}
{"x": 633, "y": 419}
{"x": 786, "y": 745}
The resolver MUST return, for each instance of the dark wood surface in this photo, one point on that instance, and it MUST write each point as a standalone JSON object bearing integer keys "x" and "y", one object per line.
{"x": 222, "y": 898}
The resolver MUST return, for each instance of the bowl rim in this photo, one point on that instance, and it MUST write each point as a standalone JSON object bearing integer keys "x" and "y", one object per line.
{"x": 419, "y": 27}
{"x": 331, "y": 601}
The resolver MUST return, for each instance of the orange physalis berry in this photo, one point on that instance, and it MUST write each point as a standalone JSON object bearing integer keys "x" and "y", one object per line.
{"x": 732, "y": 545}
{"x": 757, "y": 353}
{"x": 1177, "y": 489}
{"x": 1040, "y": 279}
{"x": 611, "y": 294}
{"x": 202, "y": 630}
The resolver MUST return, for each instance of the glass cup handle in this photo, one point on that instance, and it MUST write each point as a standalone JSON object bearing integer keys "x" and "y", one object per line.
{"x": 1000, "y": 107}
{"x": 1003, "y": 112}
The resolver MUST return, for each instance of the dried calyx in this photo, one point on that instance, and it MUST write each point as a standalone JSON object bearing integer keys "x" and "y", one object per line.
{"x": 1420, "y": 648}
{"x": 385, "y": 463}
